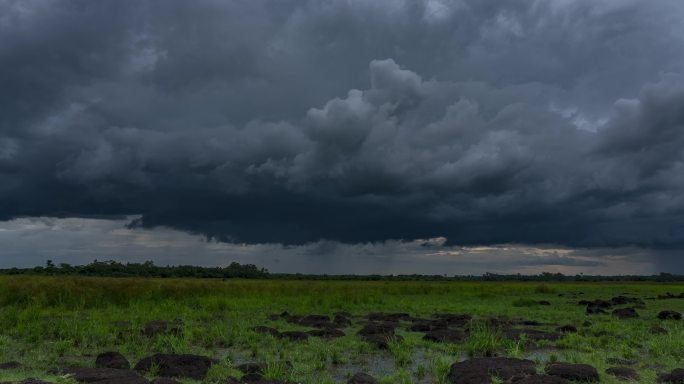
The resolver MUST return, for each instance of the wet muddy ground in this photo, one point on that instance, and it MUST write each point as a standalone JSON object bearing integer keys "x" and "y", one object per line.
{"x": 544, "y": 336}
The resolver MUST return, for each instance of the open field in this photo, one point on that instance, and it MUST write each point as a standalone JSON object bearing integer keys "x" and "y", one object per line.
{"x": 51, "y": 325}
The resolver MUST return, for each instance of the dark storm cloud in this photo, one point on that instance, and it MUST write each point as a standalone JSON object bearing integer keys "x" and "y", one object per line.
{"x": 28, "y": 242}
{"x": 486, "y": 122}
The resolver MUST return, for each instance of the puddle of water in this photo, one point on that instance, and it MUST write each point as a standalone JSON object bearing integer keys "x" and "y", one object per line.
{"x": 382, "y": 364}
{"x": 540, "y": 356}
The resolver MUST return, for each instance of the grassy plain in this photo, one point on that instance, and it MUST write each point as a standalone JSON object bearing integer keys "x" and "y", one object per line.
{"x": 55, "y": 322}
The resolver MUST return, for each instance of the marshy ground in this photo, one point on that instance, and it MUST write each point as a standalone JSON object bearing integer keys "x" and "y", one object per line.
{"x": 106, "y": 330}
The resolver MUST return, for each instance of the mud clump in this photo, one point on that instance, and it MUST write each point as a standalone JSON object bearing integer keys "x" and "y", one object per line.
{"x": 542, "y": 379}
{"x": 624, "y": 300}
{"x": 676, "y": 376}
{"x": 599, "y": 306}
{"x": 388, "y": 317}
{"x": 94, "y": 375}
{"x": 162, "y": 327}
{"x": 251, "y": 368}
{"x": 444, "y": 336}
{"x": 267, "y": 330}
{"x": 574, "y": 372}
{"x": 342, "y": 319}
{"x": 595, "y": 310}
{"x": 625, "y": 313}
{"x": 669, "y": 295}
{"x": 616, "y": 361}
{"x": 328, "y": 333}
{"x": 382, "y": 341}
{"x": 112, "y": 360}
{"x": 294, "y": 335}
{"x": 379, "y": 334}
{"x": 164, "y": 380}
{"x": 10, "y": 365}
{"x": 480, "y": 370}
{"x": 669, "y": 315}
{"x": 314, "y": 321}
{"x": 169, "y": 365}
{"x": 567, "y": 329}
{"x": 623, "y": 373}
{"x": 377, "y": 329}
{"x": 453, "y": 319}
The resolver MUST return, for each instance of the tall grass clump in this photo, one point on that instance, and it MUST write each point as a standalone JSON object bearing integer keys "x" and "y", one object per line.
{"x": 483, "y": 341}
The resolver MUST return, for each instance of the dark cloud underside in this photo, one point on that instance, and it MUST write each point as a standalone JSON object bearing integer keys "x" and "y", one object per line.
{"x": 485, "y": 122}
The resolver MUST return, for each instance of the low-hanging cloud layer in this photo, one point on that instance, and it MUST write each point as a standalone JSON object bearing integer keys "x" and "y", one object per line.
{"x": 290, "y": 122}
{"x": 28, "y": 242}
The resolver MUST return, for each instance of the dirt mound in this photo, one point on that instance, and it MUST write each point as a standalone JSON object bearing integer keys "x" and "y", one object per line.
{"x": 26, "y": 381}
{"x": 604, "y": 304}
{"x": 669, "y": 315}
{"x": 162, "y": 327}
{"x": 105, "y": 375}
{"x": 444, "y": 336}
{"x": 504, "y": 323}
{"x": 624, "y": 300}
{"x": 616, "y": 361}
{"x": 594, "y": 310}
{"x": 676, "y": 376}
{"x": 625, "y": 313}
{"x": 382, "y": 341}
{"x": 391, "y": 317}
{"x": 10, "y": 365}
{"x": 425, "y": 326}
{"x": 112, "y": 360}
{"x": 599, "y": 306}
{"x": 168, "y": 365}
{"x": 251, "y": 367}
{"x": 453, "y": 319}
{"x": 342, "y": 319}
{"x": 527, "y": 323}
{"x": 623, "y": 373}
{"x": 267, "y": 330}
{"x": 362, "y": 378}
{"x": 377, "y": 328}
{"x": 575, "y": 372}
{"x": 294, "y": 335}
{"x": 567, "y": 329}
{"x": 163, "y": 380}
{"x": 314, "y": 321}
{"x": 542, "y": 379}
{"x": 327, "y": 333}
{"x": 669, "y": 295}
{"x": 379, "y": 334}
{"x": 479, "y": 370}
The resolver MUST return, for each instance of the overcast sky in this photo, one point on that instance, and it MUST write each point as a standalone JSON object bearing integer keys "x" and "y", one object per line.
{"x": 345, "y": 136}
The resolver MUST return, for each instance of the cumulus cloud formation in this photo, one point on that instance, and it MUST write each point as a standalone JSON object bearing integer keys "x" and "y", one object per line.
{"x": 485, "y": 122}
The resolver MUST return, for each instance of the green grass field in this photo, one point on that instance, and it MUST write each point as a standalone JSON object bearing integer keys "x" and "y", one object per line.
{"x": 48, "y": 323}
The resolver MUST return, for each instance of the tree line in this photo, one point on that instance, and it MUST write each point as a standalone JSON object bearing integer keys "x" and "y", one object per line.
{"x": 112, "y": 268}
{"x": 147, "y": 269}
